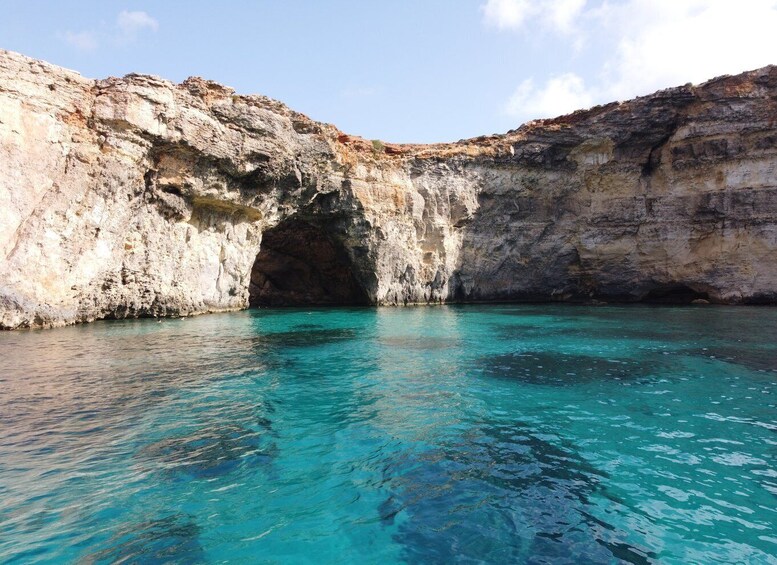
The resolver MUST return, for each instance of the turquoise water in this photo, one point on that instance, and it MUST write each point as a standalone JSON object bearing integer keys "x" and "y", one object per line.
{"x": 499, "y": 434}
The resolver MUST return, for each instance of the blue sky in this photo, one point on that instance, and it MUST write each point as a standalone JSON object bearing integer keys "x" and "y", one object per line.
{"x": 407, "y": 71}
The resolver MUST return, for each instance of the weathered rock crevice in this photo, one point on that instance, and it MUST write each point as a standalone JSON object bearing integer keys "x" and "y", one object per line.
{"x": 135, "y": 196}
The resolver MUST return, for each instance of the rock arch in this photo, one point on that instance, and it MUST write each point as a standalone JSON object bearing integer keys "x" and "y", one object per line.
{"x": 301, "y": 264}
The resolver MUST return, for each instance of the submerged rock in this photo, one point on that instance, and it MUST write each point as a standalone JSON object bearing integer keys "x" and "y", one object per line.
{"x": 172, "y": 539}
{"x": 503, "y": 495}
{"x": 209, "y": 452}
{"x": 135, "y": 196}
{"x": 303, "y": 337}
{"x": 562, "y": 369}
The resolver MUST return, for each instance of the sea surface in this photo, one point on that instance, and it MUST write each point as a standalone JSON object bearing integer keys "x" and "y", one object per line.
{"x": 470, "y": 434}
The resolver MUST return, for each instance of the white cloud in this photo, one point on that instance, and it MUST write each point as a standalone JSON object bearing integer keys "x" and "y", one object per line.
{"x": 643, "y": 46}
{"x": 557, "y": 15}
{"x": 664, "y": 43}
{"x": 562, "y": 14}
{"x": 558, "y": 95}
{"x": 507, "y": 14}
{"x": 83, "y": 41}
{"x": 127, "y": 28}
{"x": 130, "y": 24}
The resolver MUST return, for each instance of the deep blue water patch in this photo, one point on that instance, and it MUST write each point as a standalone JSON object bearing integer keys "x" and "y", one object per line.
{"x": 521, "y": 434}
{"x": 562, "y": 369}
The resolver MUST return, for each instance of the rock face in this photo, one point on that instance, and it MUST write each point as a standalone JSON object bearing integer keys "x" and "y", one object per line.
{"x": 139, "y": 197}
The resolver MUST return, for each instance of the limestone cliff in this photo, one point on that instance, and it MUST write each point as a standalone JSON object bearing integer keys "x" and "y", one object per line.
{"x": 139, "y": 197}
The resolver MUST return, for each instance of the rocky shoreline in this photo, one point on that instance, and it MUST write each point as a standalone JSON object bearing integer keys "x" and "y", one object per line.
{"x": 134, "y": 196}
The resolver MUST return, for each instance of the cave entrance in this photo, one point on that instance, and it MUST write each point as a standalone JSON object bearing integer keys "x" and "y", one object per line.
{"x": 300, "y": 264}
{"x": 673, "y": 294}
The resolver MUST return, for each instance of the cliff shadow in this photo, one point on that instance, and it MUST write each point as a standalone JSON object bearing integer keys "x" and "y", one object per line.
{"x": 514, "y": 248}
{"x": 303, "y": 262}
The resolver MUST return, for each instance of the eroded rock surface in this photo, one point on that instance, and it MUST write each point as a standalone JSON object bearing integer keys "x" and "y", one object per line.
{"x": 139, "y": 197}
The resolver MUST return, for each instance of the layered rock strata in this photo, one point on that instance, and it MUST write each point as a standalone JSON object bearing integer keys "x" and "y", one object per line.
{"x": 135, "y": 196}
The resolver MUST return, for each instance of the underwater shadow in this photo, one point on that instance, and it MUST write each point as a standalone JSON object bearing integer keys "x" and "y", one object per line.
{"x": 172, "y": 539}
{"x": 209, "y": 452}
{"x": 502, "y": 495}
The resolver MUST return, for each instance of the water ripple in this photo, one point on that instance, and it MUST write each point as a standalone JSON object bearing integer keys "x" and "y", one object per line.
{"x": 522, "y": 434}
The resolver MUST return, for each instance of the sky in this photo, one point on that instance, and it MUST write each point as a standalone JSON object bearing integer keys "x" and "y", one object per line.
{"x": 407, "y": 70}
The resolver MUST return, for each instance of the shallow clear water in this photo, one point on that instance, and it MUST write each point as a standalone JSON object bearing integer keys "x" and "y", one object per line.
{"x": 504, "y": 434}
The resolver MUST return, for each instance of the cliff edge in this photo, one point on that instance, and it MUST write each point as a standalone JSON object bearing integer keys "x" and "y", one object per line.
{"x": 135, "y": 196}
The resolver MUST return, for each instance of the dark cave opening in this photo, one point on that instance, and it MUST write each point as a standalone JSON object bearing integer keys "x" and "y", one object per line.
{"x": 673, "y": 294}
{"x": 300, "y": 264}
